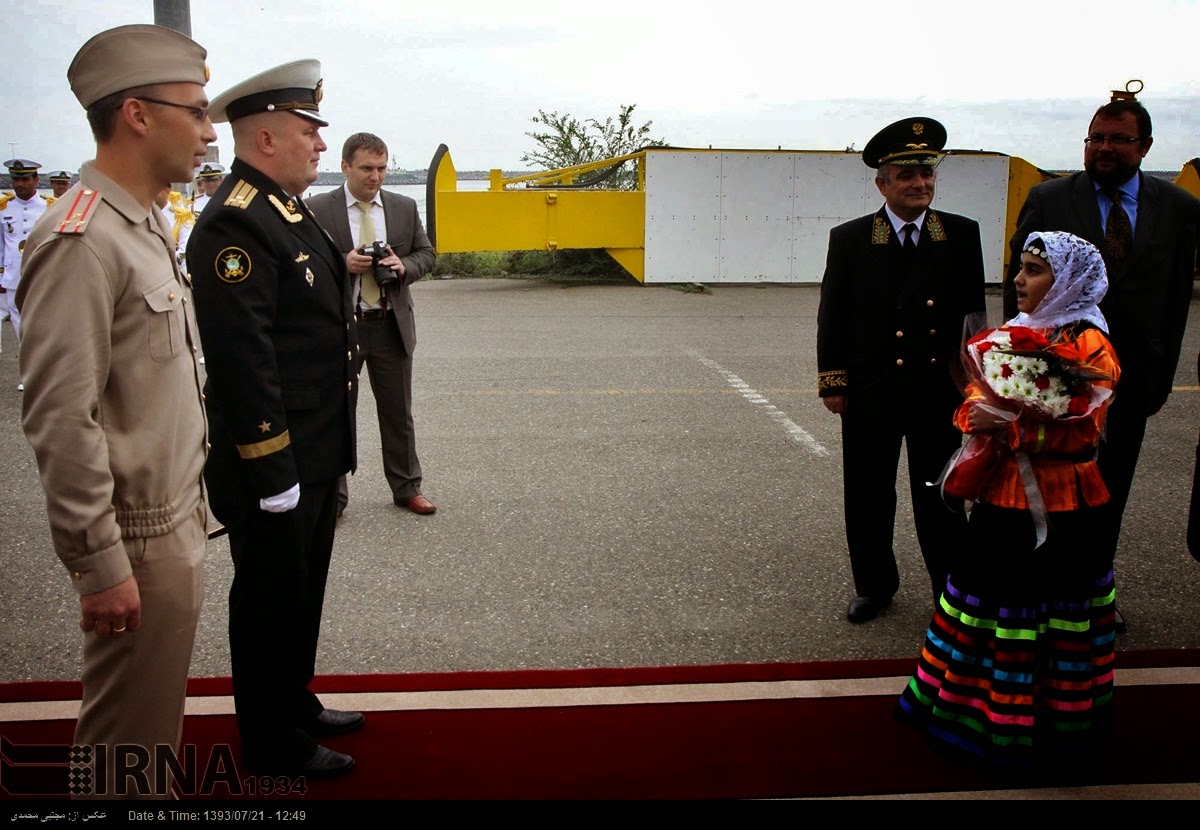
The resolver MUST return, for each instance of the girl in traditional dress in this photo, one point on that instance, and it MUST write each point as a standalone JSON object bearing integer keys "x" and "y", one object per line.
{"x": 1017, "y": 665}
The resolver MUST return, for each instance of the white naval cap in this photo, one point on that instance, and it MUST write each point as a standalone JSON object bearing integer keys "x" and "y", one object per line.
{"x": 292, "y": 87}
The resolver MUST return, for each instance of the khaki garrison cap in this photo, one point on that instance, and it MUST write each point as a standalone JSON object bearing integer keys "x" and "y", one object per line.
{"x": 133, "y": 56}
{"x": 292, "y": 87}
{"x": 915, "y": 140}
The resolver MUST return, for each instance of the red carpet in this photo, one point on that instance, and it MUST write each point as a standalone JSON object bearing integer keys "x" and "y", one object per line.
{"x": 760, "y": 748}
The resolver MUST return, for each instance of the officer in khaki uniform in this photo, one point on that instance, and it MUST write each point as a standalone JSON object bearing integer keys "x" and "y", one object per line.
{"x": 113, "y": 405}
{"x": 276, "y": 314}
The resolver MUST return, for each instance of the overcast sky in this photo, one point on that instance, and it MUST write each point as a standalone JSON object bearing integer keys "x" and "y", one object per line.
{"x": 1020, "y": 77}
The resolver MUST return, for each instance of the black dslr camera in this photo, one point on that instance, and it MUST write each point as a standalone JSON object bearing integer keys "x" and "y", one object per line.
{"x": 384, "y": 277}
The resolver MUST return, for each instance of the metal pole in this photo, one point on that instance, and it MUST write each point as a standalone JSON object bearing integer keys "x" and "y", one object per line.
{"x": 174, "y": 14}
{"x": 177, "y": 15}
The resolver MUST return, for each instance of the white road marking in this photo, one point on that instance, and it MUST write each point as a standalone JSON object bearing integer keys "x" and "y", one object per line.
{"x": 798, "y": 434}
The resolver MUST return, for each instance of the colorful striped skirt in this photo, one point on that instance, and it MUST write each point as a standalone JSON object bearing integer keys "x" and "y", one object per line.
{"x": 1017, "y": 665}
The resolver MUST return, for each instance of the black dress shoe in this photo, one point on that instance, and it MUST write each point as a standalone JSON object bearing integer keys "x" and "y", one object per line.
{"x": 863, "y": 609}
{"x": 333, "y": 722}
{"x": 326, "y": 763}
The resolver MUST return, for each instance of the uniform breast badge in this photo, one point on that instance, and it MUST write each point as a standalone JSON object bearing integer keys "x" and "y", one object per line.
{"x": 302, "y": 257}
{"x": 233, "y": 265}
{"x": 308, "y": 275}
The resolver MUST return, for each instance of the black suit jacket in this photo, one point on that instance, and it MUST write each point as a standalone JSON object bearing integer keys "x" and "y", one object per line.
{"x": 275, "y": 313}
{"x": 1147, "y": 306}
{"x": 405, "y": 234}
{"x": 890, "y": 324}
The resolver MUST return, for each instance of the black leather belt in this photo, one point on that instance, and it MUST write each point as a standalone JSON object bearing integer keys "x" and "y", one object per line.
{"x": 374, "y": 313}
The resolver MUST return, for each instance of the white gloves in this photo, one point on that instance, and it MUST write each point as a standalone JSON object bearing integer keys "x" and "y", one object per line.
{"x": 283, "y": 502}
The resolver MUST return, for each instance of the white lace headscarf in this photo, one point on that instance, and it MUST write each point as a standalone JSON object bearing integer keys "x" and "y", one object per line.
{"x": 1080, "y": 283}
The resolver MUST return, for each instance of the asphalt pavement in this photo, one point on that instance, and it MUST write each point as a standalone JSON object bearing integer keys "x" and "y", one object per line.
{"x": 626, "y": 475}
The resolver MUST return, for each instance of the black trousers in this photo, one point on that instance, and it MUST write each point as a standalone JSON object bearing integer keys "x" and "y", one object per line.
{"x": 281, "y": 562}
{"x": 1117, "y": 458}
{"x": 871, "y": 439}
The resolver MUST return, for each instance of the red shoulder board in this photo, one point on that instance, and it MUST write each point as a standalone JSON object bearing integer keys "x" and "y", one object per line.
{"x": 81, "y": 210}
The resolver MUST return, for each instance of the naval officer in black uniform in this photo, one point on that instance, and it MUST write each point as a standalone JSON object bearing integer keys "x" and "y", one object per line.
{"x": 276, "y": 318}
{"x": 889, "y": 330}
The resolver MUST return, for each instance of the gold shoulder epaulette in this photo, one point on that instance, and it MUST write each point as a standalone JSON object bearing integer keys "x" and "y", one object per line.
{"x": 81, "y": 211}
{"x": 880, "y": 231}
{"x": 241, "y": 197}
{"x": 5, "y": 197}
{"x": 49, "y": 199}
{"x": 288, "y": 211}
{"x": 937, "y": 231}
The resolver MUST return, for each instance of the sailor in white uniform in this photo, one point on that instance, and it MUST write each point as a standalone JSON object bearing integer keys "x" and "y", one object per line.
{"x": 208, "y": 179}
{"x": 18, "y": 211}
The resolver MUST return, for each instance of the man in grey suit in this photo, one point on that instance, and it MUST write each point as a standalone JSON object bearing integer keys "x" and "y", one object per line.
{"x": 1146, "y": 230}
{"x": 357, "y": 216}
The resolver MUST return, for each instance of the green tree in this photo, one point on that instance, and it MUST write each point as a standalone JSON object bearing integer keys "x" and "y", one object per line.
{"x": 565, "y": 141}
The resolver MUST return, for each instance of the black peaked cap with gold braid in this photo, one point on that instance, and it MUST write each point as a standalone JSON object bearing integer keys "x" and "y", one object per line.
{"x": 916, "y": 140}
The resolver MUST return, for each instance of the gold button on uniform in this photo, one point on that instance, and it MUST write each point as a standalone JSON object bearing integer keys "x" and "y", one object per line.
{"x": 900, "y": 362}
{"x": 929, "y": 303}
{"x": 350, "y": 385}
{"x": 171, "y": 296}
{"x": 899, "y": 334}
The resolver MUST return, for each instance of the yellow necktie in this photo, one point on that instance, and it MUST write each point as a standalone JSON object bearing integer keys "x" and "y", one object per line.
{"x": 366, "y": 236}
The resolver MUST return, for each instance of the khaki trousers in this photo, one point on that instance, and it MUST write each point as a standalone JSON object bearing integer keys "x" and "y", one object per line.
{"x": 134, "y": 685}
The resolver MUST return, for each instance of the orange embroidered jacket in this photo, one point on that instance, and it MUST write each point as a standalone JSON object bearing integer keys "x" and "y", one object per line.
{"x": 1062, "y": 451}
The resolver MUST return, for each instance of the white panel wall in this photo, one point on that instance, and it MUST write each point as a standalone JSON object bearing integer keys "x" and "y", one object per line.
{"x": 683, "y": 228}
{"x": 763, "y": 216}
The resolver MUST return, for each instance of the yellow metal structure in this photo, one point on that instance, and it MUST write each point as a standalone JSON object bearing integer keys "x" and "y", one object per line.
{"x": 538, "y": 212}
{"x": 1189, "y": 177}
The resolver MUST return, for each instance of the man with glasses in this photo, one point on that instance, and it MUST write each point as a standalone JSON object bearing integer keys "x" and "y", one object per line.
{"x": 113, "y": 407}
{"x": 1146, "y": 229}
{"x": 17, "y": 216}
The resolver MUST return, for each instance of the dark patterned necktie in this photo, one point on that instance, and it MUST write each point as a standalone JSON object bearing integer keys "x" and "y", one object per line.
{"x": 1118, "y": 233}
{"x": 910, "y": 240}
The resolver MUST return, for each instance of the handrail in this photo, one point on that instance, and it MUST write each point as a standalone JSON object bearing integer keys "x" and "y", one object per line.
{"x": 566, "y": 175}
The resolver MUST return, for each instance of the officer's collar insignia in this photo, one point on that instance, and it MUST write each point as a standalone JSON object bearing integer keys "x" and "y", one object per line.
{"x": 880, "y": 231}
{"x": 241, "y": 196}
{"x": 934, "y": 227}
{"x": 288, "y": 211}
{"x": 308, "y": 275}
{"x": 303, "y": 257}
{"x": 232, "y": 265}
